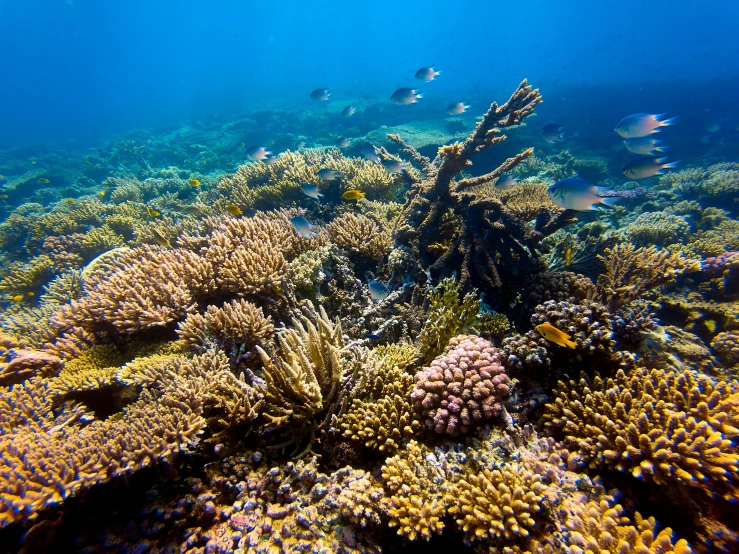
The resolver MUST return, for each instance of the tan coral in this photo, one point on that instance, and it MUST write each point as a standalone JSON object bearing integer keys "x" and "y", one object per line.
{"x": 359, "y": 235}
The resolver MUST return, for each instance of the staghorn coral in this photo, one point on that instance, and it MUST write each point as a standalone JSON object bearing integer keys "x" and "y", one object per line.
{"x": 380, "y": 414}
{"x": 663, "y": 426}
{"x": 95, "y": 368}
{"x": 657, "y": 228}
{"x": 526, "y": 199}
{"x": 461, "y": 389}
{"x": 63, "y": 288}
{"x": 237, "y": 324}
{"x": 359, "y": 235}
{"x": 28, "y": 277}
{"x": 631, "y": 271}
{"x": 715, "y": 241}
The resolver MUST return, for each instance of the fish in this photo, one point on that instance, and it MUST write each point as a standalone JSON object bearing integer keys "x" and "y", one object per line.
{"x": 642, "y": 124}
{"x": 17, "y": 298}
{"x": 194, "y": 182}
{"x": 427, "y": 74}
{"x": 574, "y": 193}
{"x": 269, "y": 160}
{"x": 71, "y": 201}
{"x": 349, "y": 111}
{"x": 645, "y": 146}
{"x": 101, "y": 194}
{"x": 159, "y": 238}
{"x": 320, "y": 94}
{"x": 378, "y": 291}
{"x": 506, "y": 181}
{"x": 234, "y": 210}
{"x": 568, "y": 256}
{"x": 553, "y": 132}
{"x": 311, "y": 191}
{"x": 457, "y": 108}
{"x": 552, "y": 334}
{"x": 257, "y": 153}
{"x": 372, "y": 336}
{"x": 31, "y": 294}
{"x": 300, "y": 144}
{"x": 393, "y": 166}
{"x": 353, "y": 194}
{"x": 302, "y": 226}
{"x": 44, "y": 181}
{"x": 151, "y": 213}
{"x": 405, "y": 96}
{"x": 327, "y": 174}
{"x": 641, "y": 168}
{"x": 370, "y": 153}
{"x": 191, "y": 209}
{"x": 343, "y": 142}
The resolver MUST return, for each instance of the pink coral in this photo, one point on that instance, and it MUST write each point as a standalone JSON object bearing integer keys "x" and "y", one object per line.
{"x": 462, "y": 387}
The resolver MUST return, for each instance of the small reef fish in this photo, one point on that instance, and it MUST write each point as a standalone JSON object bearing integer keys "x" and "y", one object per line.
{"x": 194, "y": 182}
{"x": 270, "y": 160}
{"x": 151, "y": 213}
{"x": 574, "y": 193}
{"x": 257, "y": 153}
{"x": 302, "y": 226}
{"x": 370, "y": 153}
{"x": 192, "y": 209}
{"x": 405, "y": 96}
{"x": 426, "y": 74}
{"x": 456, "y": 108}
{"x": 378, "y": 291}
{"x": 553, "y": 133}
{"x": 159, "y": 238}
{"x": 393, "y": 166}
{"x": 353, "y": 194}
{"x": 17, "y": 298}
{"x": 349, "y": 111}
{"x": 70, "y": 201}
{"x": 327, "y": 174}
{"x": 645, "y": 146}
{"x": 343, "y": 142}
{"x": 311, "y": 191}
{"x": 641, "y": 168}
{"x": 320, "y": 94}
{"x": 552, "y": 334}
{"x": 506, "y": 181}
{"x": 568, "y": 256}
{"x": 300, "y": 144}
{"x": 44, "y": 181}
{"x": 372, "y": 336}
{"x": 101, "y": 194}
{"x": 31, "y": 294}
{"x": 233, "y": 210}
{"x": 642, "y": 124}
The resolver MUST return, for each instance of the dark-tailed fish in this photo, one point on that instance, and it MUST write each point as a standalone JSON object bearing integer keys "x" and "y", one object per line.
{"x": 378, "y": 291}
{"x": 645, "y": 146}
{"x": 370, "y": 153}
{"x": 506, "y": 181}
{"x": 372, "y": 336}
{"x": 234, "y": 210}
{"x": 343, "y": 142}
{"x": 426, "y": 74}
{"x": 311, "y": 191}
{"x": 405, "y": 96}
{"x": 553, "y": 132}
{"x": 269, "y": 160}
{"x": 574, "y": 193}
{"x": 327, "y": 174}
{"x": 456, "y": 108}
{"x": 159, "y": 238}
{"x": 353, "y": 194}
{"x": 393, "y": 166}
{"x": 641, "y": 168}
{"x": 349, "y": 111}
{"x": 302, "y": 226}
{"x": 642, "y": 124}
{"x": 320, "y": 94}
{"x": 257, "y": 153}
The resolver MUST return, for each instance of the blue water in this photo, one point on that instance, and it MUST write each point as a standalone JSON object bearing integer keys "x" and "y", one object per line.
{"x": 76, "y": 69}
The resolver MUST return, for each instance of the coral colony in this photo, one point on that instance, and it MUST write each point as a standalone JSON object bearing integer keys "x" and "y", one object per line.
{"x": 364, "y": 349}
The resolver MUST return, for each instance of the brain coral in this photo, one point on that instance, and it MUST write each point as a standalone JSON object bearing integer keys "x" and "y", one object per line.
{"x": 461, "y": 388}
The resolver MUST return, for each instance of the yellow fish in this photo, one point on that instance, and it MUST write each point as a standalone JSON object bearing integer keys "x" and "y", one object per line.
{"x": 160, "y": 239}
{"x": 44, "y": 181}
{"x": 551, "y": 333}
{"x": 17, "y": 298}
{"x": 32, "y": 294}
{"x": 233, "y": 210}
{"x": 70, "y": 201}
{"x": 353, "y": 194}
{"x": 194, "y": 182}
{"x": 568, "y": 256}
{"x": 101, "y": 193}
{"x": 151, "y": 213}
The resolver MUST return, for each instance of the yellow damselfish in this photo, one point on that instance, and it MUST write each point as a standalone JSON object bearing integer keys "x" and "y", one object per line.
{"x": 160, "y": 239}
{"x": 194, "y": 182}
{"x": 17, "y": 298}
{"x": 353, "y": 194}
{"x": 233, "y": 210}
{"x": 151, "y": 213}
{"x": 44, "y": 181}
{"x": 551, "y": 333}
{"x": 568, "y": 256}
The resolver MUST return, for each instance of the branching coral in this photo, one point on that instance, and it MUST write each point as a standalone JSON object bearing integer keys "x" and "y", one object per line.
{"x": 461, "y": 389}
{"x": 657, "y": 228}
{"x": 359, "y": 235}
{"x": 726, "y": 345}
{"x": 662, "y": 426}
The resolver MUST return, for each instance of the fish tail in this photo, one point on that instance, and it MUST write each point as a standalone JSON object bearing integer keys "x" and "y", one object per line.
{"x": 666, "y": 122}
{"x": 570, "y": 343}
{"x": 610, "y": 201}
{"x": 419, "y": 95}
{"x": 671, "y": 165}
{"x": 661, "y": 149}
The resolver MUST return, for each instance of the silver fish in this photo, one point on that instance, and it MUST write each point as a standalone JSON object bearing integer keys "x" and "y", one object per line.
{"x": 311, "y": 191}
{"x": 641, "y": 168}
{"x": 642, "y": 124}
{"x": 302, "y": 226}
{"x": 349, "y": 111}
{"x": 320, "y": 94}
{"x": 327, "y": 174}
{"x": 405, "y": 96}
{"x": 645, "y": 146}
{"x": 457, "y": 108}
{"x": 370, "y": 153}
{"x": 378, "y": 291}
{"x": 574, "y": 193}
{"x": 426, "y": 74}
{"x": 393, "y": 166}
{"x": 256, "y": 153}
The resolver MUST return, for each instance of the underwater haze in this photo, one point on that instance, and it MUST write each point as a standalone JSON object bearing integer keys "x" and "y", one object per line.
{"x": 362, "y": 277}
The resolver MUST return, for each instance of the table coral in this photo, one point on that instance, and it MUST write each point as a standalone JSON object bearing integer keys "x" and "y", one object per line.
{"x": 462, "y": 388}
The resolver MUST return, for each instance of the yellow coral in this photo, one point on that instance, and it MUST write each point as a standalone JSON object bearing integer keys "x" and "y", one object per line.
{"x": 359, "y": 235}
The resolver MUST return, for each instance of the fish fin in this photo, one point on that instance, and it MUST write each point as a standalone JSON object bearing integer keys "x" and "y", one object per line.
{"x": 671, "y": 165}
{"x": 319, "y": 195}
{"x": 667, "y": 122}
{"x": 570, "y": 343}
{"x": 437, "y": 72}
{"x": 419, "y": 95}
